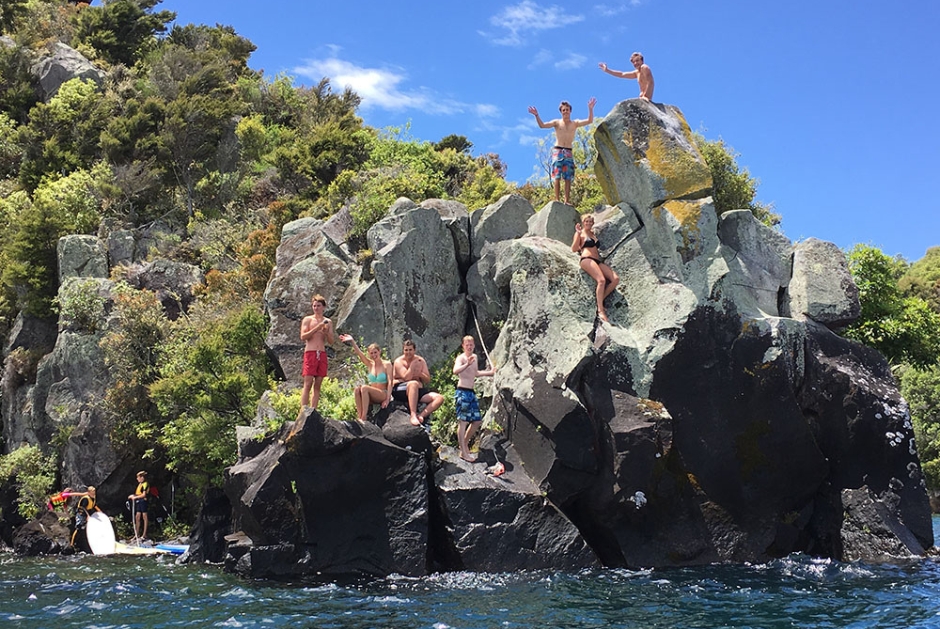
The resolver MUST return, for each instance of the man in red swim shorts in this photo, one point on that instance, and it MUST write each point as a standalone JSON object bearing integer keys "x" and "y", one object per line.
{"x": 316, "y": 332}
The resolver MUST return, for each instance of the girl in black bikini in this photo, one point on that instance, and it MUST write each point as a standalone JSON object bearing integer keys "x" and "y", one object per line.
{"x": 585, "y": 243}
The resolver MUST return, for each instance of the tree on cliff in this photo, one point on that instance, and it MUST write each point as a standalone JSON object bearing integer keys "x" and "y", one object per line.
{"x": 906, "y": 329}
{"x": 733, "y": 188}
{"x": 921, "y": 389}
{"x": 120, "y": 30}
{"x": 923, "y": 278}
{"x": 902, "y": 327}
{"x": 10, "y": 12}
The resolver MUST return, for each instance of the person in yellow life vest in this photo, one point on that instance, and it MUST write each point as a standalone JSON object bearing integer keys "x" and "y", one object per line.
{"x": 87, "y": 505}
{"x": 139, "y": 503}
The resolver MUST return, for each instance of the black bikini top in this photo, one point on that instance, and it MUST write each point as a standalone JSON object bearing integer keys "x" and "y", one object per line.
{"x": 588, "y": 242}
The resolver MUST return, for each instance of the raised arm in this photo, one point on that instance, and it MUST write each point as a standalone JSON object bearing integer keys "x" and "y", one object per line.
{"x": 590, "y": 118}
{"x": 576, "y": 240}
{"x": 618, "y": 73}
{"x": 348, "y": 338}
{"x": 542, "y": 125}
{"x": 460, "y": 364}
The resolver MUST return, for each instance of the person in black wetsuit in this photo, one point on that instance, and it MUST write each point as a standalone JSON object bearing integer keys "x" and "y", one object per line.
{"x": 585, "y": 243}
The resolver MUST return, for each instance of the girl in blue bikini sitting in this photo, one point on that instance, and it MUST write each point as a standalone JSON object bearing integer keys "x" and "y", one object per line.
{"x": 378, "y": 390}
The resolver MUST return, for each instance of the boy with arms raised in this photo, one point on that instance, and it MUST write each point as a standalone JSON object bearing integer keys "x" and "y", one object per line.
{"x": 562, "y": 153}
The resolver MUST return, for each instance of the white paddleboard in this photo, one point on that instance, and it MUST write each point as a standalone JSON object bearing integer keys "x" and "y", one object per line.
{"x": 100, "y": 534}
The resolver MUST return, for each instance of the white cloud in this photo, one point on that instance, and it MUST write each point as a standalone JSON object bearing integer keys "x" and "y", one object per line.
{"x": 528, "y": 17}
{"x": 572, "y": 60}
{"x": 610, "y": 10}
{"x": 385, "y": 88}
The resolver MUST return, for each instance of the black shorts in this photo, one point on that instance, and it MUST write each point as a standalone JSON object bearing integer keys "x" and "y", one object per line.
{"x": 400, "y": 392}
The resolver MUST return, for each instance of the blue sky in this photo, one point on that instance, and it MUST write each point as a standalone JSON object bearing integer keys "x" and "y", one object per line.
{"x": 832, "y": 104}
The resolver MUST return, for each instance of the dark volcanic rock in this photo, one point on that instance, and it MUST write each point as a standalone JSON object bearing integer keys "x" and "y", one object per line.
{"x": 46, "y": 535}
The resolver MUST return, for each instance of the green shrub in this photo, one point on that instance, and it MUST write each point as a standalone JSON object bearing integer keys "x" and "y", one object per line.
{"x": 337, "y": 400}
{"x": 80, "y": 306}
{"x": 33, "y": 474}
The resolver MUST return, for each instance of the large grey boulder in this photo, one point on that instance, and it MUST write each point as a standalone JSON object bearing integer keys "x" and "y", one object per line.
{"x": 556, "y": 220}
{"x": 62, "y": 64}
{"x": 457, "y": 219}
{"x": 646, "y": 155}
{"x": 760, "y": 262}
{"x": 418, "y": 279}
{"x": 822, "y": 288}
{"x": 504, "y": 220}
{"x": 307, "y": 263}
{"x": 30, "y": 333}
{"x": 81, "y": 256}
{"x": 122, "y": 247}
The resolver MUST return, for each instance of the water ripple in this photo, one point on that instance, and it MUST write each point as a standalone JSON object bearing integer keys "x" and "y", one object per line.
{"x": 117, "y": 593}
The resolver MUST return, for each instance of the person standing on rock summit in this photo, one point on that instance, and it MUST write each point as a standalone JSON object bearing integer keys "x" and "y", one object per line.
{"x": 562, "y": 155}
{"x": 641, "y": 73}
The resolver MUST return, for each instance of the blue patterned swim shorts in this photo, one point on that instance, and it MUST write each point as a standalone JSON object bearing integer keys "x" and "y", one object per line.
{"x": 562, "y": 163}
{"x": 468, "y": 409}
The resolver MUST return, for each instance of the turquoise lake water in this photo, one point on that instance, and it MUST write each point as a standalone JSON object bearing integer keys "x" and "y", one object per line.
{"x": 146, "y": 591}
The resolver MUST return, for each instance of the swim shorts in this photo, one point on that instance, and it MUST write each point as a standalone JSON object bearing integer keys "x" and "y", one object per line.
{"x": 140, "y": 505}
{"x": 400, "y": 392}
{"x": 315, "y": 364}
{"x": 468, "y": 408}
{"x": 562, "y": 163}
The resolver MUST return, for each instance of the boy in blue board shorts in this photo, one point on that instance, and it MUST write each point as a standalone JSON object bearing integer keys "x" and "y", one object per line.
{"x": 467, "y": 369}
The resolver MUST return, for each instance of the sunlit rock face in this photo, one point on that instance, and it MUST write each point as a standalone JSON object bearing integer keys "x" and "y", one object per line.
{"x": 717, "y": 417}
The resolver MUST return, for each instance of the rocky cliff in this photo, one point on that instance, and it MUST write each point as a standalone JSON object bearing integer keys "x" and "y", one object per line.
{"x": 717, "y": 417}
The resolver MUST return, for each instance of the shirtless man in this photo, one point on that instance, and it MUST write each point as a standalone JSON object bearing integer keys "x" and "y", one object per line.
{"x": 467, "y": 368}
{"x": 316, "y": 332}
{"x": 642, "y": 74}
{"x": 409, "y": 375}
{"x": 562, "y": 156}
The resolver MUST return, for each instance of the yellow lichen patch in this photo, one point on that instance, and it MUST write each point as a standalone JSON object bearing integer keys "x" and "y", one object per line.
{"x": 606, "y": 181}
{"x": 684, "y": 173}
{"x": 652, "y": 408}
{"x": 630, "y": 142}
{"x": 688, "y": 214}
{"x": 605, "y": 144}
